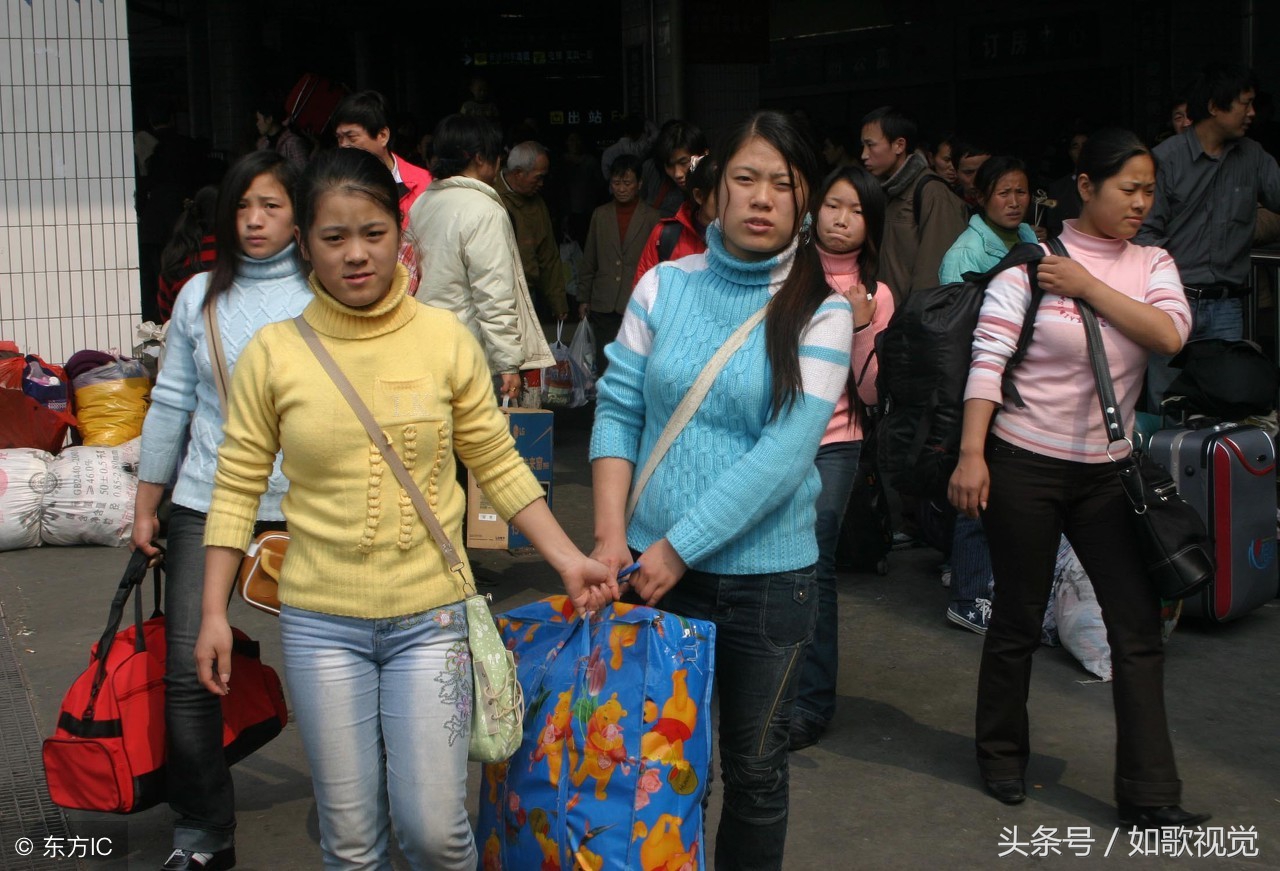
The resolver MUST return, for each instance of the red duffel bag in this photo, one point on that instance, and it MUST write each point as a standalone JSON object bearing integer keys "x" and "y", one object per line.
{"x": 108, "y": 751}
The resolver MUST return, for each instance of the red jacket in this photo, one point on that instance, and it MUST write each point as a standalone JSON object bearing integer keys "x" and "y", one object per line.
{"x": 415, "y": 179}
{"x": 691, "y": 241}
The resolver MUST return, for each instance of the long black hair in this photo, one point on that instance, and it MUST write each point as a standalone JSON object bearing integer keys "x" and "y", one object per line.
{"x": 871, "y": 196}
{"x": 195, "y": 222}
{"x": 805, "y": 287}
{"x": 874, "y": 203}
{"x": 238, "y": 179}
{"x": 349, "y": 170}
{"x": 992, "y": 170}
{"x": 1106, "y": 152}
{"x": 458, "y": 139}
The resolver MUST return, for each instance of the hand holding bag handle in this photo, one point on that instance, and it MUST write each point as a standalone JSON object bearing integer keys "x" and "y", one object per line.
{"x": 1171, "y": 533}
{"x": 497, "y": 718}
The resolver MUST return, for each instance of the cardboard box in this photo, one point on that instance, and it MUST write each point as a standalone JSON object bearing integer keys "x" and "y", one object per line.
{"x": 531, "y": 428}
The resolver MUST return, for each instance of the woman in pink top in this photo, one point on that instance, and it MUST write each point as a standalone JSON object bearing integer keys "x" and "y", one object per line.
{"x": 848, "y": 224}
{"x": 1037, "y": 472}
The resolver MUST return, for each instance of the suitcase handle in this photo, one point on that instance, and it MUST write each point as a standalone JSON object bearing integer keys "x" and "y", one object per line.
{"x": 134, "y": 574}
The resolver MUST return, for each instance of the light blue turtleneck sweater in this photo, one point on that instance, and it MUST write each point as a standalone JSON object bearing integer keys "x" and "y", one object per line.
{"x": 735, "y": 494}
{"x": 185, "y": 401}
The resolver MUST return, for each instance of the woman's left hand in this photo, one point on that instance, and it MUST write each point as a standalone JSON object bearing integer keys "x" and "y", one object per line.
{"x": 589, "y": 583}
{"x": 1066, "y": 277}
{"x": 661, "y": 568}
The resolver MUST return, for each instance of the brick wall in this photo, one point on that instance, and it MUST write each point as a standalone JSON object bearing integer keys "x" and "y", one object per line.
{"x": 68, "y": 250}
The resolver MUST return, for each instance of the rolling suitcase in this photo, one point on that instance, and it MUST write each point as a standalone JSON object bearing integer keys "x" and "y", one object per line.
{"x": 1228, "y": 472}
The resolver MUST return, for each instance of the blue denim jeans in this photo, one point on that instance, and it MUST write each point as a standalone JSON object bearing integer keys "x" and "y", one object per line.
{"x": 200, "y": 789}
{"x": 970, "y": 561}
{"x": 384, "y": 709}
{"x": 838, "y": 467}
{"x": 1210, "y": 319}
{"x": 763, "y": 625}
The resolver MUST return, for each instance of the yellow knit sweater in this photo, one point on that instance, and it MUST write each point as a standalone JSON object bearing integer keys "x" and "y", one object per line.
{"x": 357, "y": 546}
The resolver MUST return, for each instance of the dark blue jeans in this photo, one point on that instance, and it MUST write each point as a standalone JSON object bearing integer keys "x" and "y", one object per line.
{"x": 837, "y": 466}
{"x": 970, "y": 562}
{"x": 200, "y": 789}
{"x": 763, "y": 624}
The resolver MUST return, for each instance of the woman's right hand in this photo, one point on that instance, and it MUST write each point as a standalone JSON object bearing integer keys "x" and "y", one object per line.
{"x": 864, "y": 305}
{"x": 970, "y": 485}
{"x": 613, "y": 552}
{"x": 146, "y": 521}
{"x": 213, "y": 655}
{"x": 590, "y": 584}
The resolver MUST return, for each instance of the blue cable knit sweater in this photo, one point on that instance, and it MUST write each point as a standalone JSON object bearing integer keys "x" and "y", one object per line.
{"x": 185, "y": 398}
{"x": 735, "y": 494}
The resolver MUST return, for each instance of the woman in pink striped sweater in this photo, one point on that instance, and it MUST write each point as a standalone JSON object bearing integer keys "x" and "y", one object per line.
{"x": 1037, "y": 472}
{"x": 848, "y": 226}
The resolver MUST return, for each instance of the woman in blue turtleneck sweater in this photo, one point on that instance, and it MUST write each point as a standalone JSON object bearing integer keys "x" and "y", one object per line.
{"x": 256, "y": 280}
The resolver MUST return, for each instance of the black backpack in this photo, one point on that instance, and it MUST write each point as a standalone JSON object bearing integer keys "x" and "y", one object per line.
{"x": 925, "y": 355}
{"x": 667, "y": 240}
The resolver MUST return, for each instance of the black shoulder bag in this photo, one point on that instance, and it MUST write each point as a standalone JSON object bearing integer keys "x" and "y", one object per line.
{"x": 1171, "y": 534}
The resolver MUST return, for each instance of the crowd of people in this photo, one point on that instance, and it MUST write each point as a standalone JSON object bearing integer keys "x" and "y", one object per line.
{"x": 797, "y": 249}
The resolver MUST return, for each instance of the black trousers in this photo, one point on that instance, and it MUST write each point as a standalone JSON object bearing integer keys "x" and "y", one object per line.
{"x": 1033, "y": 500}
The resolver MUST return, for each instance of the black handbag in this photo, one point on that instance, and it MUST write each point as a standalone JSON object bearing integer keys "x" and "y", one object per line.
{"x": 1170, "y": 532}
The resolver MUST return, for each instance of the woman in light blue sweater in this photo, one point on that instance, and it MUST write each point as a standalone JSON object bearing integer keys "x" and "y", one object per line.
{"x": 256, "y": 280}
{"x": 1004, "y": 196}
{"x": 725, "y": 528}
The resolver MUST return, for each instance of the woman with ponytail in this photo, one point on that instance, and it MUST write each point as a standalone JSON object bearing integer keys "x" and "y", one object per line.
{"x": 724, "y": 531}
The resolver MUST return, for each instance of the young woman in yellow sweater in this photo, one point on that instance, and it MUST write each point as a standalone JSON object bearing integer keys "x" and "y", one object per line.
{"x": 373, "y": 625}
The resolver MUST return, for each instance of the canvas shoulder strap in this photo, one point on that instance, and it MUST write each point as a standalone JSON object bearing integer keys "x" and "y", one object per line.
{"x": 217, "y": 358}
{"x": 379, "y": 439}
{"x": 689, "y": 404}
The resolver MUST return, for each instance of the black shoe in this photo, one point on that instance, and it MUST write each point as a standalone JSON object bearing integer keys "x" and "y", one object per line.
{"x": 805, "y": 732}
{"x": 190, "y": 860}
{"x": 1007, "y": 791}
{"x": 1167, "y": 817}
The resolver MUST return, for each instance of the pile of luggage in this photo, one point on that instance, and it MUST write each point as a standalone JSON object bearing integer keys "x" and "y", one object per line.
{"x": 69, "y": 447}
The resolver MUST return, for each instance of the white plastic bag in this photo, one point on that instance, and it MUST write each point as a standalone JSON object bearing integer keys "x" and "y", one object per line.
{"x": 582, "y": 353}
{"x": 1080, "y": 626}
{"x": 563, "y": 383}
{"x": 89, "y": 498}
{"x": 24, "y": 479}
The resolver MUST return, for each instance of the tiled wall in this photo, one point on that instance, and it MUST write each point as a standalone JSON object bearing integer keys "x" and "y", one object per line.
{"x": 68, "y": 250}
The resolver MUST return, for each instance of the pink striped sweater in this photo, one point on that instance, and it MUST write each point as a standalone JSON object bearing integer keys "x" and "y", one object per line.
{"x": 1062, "y": 418}
{"x": 842, "y": 275}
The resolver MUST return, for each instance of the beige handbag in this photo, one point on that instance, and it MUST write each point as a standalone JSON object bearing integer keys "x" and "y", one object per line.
{"x": 258, "y": 581}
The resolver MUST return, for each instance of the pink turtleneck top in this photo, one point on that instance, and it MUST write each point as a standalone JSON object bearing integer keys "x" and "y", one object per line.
{"x": 1062, "y": 417}
{"x": 842, "y": 274}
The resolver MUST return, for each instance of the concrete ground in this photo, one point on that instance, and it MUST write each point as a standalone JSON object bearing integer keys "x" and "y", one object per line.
{"x": 892, "y": 785}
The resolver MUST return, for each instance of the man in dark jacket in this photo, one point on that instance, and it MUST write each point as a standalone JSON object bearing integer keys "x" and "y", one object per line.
{"x": 918, "y": 228}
